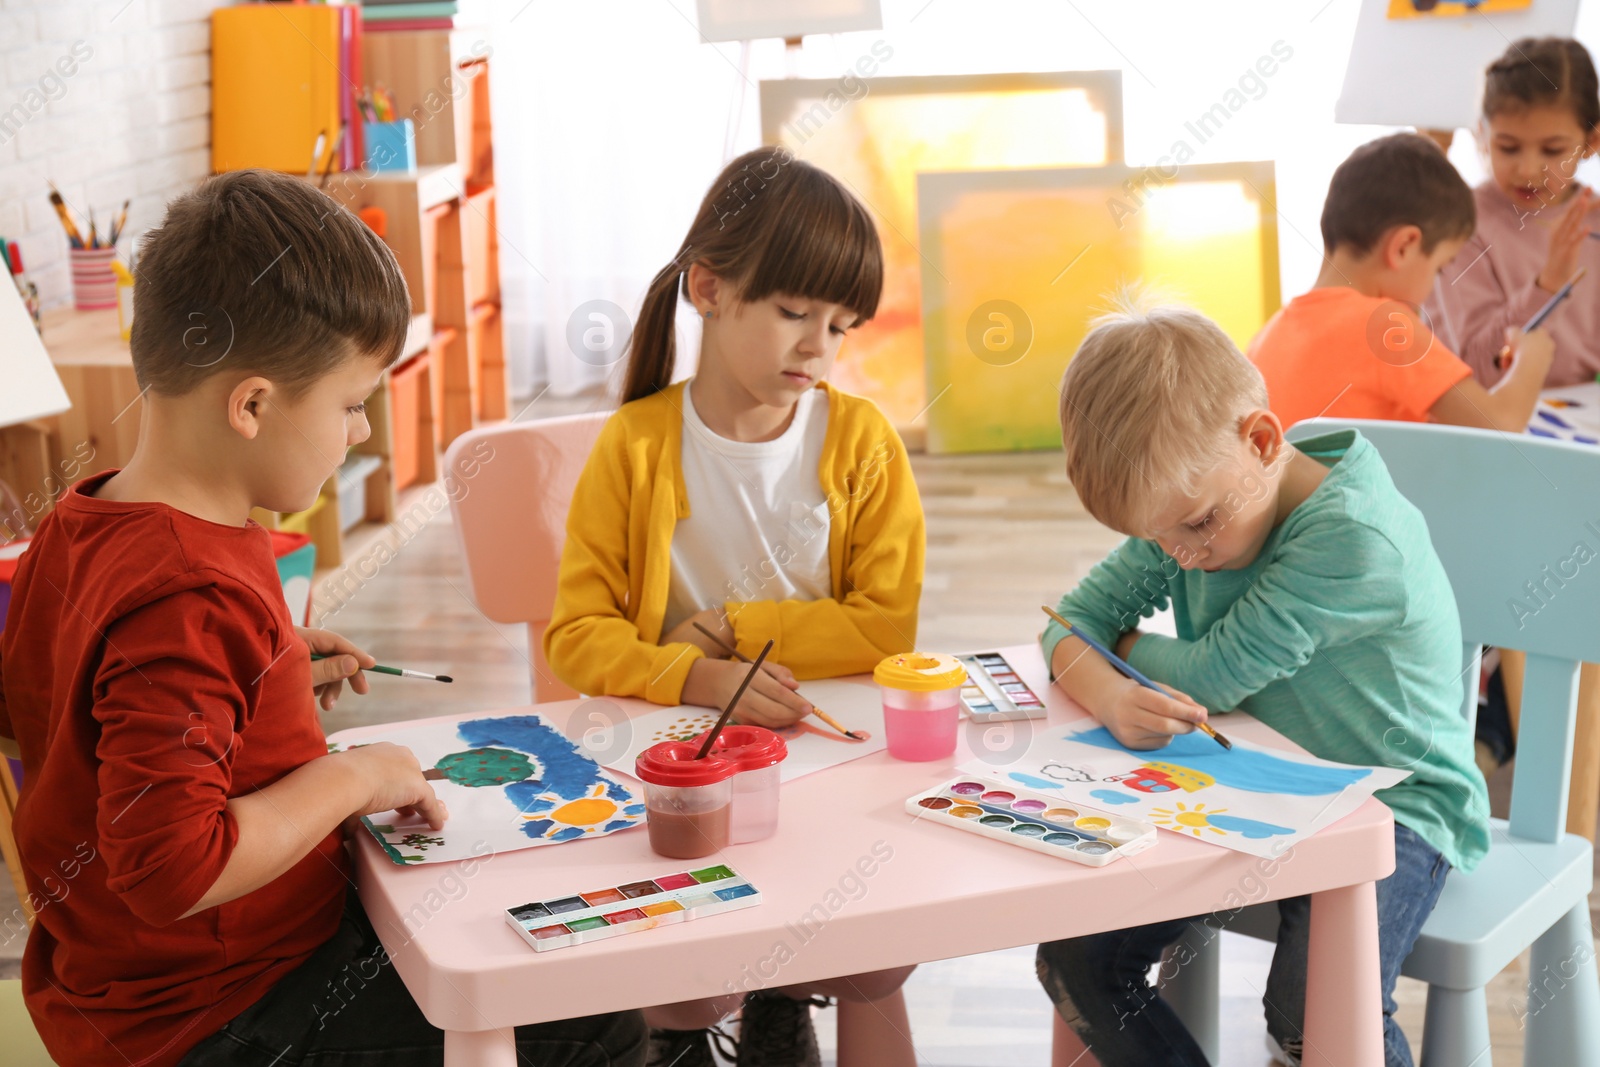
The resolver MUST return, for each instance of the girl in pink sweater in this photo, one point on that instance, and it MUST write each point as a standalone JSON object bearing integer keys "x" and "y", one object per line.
{"x": 1541, "y": 116}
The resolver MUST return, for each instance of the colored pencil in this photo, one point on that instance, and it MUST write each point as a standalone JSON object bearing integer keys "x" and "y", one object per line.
{"x": 1128, "y": 671}
{"x": 818, "y": 712}
{"x": 727, "y": 712}
{"x": 398, "y": 672}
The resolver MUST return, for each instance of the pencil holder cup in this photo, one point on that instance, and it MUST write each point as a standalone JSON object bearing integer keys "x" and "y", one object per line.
{"x": 391, "y": 145}
{"x": 94, "y": 284}
{"x": 921, "y": 704}
{"x": 687, "y": 801}
{"x": 757, "y": 752}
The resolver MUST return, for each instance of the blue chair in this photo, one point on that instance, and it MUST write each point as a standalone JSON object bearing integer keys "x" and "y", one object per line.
{"x": 1506, "y": 514}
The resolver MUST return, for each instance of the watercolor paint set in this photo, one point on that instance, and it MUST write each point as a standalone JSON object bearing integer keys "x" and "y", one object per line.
{"x": 995, "y": 692}
{"x": 624, "y": 909}
{"x": 1036, "y": 821}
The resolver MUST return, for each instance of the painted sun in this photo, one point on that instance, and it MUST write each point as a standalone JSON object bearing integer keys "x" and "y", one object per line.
{"x": 1193, "y": 819}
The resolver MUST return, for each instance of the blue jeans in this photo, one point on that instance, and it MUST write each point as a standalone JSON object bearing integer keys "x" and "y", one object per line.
{"x": 346, "y": 1007}
{"x": 1100, "y": 983}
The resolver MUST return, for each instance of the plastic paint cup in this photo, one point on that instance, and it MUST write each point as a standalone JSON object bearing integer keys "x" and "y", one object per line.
{"x": 688, "y": 801}
{"x": 921, "y": 704}
{"x": 756, "y": 752}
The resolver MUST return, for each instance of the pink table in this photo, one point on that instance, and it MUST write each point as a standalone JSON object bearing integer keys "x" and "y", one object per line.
{"x": 851, "y": 883}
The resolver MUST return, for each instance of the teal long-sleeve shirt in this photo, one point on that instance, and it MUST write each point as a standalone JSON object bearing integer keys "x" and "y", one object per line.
{"x": 1342, "y": 635}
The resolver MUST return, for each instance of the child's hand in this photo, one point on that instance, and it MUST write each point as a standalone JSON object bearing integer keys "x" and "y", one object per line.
{"x": 1143, "y": 718}
{"x": 713, "y": 620}
{"x": 1566, "y": 243}
{"x": 328, "y": 675}
{"x": 392, "y": 778}
{"x": 1531, "y": 353}
{"x": 770, "y": 701}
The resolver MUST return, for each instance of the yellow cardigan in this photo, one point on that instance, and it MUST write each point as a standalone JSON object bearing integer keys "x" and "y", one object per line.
{"x": 611, "y": 597}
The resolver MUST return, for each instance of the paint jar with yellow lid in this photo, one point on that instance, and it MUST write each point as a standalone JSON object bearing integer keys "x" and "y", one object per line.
{"x": 921, "y": 704}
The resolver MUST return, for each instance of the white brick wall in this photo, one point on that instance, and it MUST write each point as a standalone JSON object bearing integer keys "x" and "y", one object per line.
{"x": 132, "y": 121}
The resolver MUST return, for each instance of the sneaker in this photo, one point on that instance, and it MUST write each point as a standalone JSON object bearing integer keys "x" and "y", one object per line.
{"x": 776, "y": 1031}
{"x": 680, "y": 1048}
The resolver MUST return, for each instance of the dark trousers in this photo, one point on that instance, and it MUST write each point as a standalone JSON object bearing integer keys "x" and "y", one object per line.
{"x": 346, "y": 1006}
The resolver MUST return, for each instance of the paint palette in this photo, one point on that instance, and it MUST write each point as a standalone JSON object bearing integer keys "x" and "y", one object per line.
{"x": 1038, "y": 821}
{"x": 995, "y": 692}
{"x": 624, "y": 909}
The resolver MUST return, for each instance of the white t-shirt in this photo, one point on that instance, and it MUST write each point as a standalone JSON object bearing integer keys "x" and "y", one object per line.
{"x": 758, "y": 519}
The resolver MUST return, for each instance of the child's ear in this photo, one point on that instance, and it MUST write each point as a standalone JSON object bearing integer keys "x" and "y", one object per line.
{"x": 246, "y": 403}
{"x": 1264, "y": 432}
{"x": 1399, "y": 244}
{"x": 706, "y": 289}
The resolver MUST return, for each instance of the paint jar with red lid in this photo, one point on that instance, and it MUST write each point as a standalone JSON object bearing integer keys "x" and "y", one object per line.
{"x": 757, "y": 752}
{"x": 921, "y": 704}
{"x": 688, "y": 802}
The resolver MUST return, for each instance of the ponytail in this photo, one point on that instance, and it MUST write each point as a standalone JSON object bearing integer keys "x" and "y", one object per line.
{"x": 652, "y": 349}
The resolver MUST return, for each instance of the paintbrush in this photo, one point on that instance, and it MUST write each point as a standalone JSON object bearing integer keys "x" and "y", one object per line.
{"x": 1128, "y": 670}
{"x": 66, "y": 217}
{"x": 398, "y": 672}
{"x": 727, "y": 712}
{"x": 1504, "y": 358}
{"x": 818, "y": 712}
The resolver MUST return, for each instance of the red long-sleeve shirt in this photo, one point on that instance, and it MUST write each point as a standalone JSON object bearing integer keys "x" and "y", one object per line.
{"x": 149, "y": 671}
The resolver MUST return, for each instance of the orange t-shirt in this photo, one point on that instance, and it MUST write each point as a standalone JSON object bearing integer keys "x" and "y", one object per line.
{"x": 1338, "y": 353}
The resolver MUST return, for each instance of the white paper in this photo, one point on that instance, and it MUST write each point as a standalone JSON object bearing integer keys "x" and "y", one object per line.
{"x": 564, "y": 795}
{"x": 1568, "y": 414}
{"x": 813, "y": 744}
{"x": 1251, "y": 799}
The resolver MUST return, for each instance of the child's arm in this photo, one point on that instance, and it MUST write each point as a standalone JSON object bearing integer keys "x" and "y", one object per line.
{"x": 1331, "y": 584}
{"x": 1128, "y": 584}
{"x": 882, "y": 581}
{"x": 278, "y": 824}
{"x": 1479, "y": 307}
{"x": 590, "y": 643}
{"x": 1509, "y": 404}
{"x": 172, "y": 697}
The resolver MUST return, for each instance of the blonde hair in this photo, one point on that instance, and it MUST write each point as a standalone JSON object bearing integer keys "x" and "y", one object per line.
{"x": 1150, "y": 403}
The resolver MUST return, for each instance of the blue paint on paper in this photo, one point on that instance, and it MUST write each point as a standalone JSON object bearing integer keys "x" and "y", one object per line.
{"x": 1111, "y": 796}
{"x": 1033, "y": 782}
{"x": 1251, "y": 770}
{"x": 561, "y": 774}
{"x": 1248, "y": 827}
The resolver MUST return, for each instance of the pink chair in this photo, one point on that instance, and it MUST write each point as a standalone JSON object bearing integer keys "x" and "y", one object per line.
{"x": 510, "y": 486}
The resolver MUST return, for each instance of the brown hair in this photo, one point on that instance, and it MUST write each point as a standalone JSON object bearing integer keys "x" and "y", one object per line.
{"x": 1150, "y": 404}
{"x": 261, "y": 272}
{"x": 1399, "y": 180}
{"x": 1542, "y": 72}
{"x": 771, "y": 223}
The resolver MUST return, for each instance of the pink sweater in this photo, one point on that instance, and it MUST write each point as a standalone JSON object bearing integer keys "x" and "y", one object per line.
{"x": 1490, "y": 285}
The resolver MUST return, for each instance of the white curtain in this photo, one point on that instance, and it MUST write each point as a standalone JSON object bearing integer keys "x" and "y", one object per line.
{"x": 612, "y": 118}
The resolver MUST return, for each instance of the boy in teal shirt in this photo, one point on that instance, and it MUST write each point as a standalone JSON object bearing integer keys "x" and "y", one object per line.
{"x": 1306, "y": 591}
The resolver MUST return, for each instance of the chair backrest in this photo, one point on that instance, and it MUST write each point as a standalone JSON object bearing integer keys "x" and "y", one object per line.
{"x": 1516, "y": 521}
{"x": 510, "y": 486}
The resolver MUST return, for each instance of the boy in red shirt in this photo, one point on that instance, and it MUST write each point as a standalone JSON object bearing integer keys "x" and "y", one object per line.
{"x": 180, "y": 816}
{"x": 1354, "y": 346}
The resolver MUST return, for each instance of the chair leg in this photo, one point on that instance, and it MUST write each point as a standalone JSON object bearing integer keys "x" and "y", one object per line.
{"x": 1191, "y": 981}
{"x": 1563, "y": 1018}
{"x": 1455, "y": 1029}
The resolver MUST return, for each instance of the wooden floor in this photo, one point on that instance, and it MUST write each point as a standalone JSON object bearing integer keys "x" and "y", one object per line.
{"x": 1005, "y": 534}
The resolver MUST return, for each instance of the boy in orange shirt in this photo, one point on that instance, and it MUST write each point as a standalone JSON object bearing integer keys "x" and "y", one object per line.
{"x": 1354, "y": 347}
{"x": 180, "y": 813}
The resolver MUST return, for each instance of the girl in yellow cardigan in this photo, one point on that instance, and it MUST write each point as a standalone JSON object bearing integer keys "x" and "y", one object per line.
{"x": 763, "y": 504}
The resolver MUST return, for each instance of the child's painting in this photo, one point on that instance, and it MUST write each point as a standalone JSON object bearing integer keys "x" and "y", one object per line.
{"x": 1571, "y": 413}
{"x": 1418, "y": 9}
{"x": 878, "y": 139}
{"x": 1015, "y": 265}
{"x": 813, "y": 744}
{"x": 509, "y": 782}
{"x": 1250, "y": 798}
